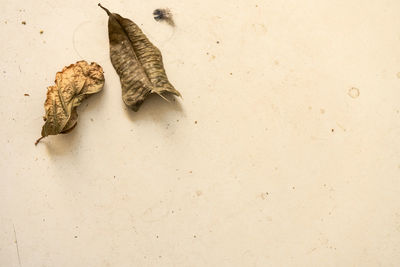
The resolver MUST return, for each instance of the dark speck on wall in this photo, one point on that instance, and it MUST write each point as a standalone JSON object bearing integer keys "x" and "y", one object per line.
{"x": 164, "y": 14}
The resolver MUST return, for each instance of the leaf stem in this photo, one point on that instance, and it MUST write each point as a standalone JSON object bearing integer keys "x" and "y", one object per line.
{"x": 37, "y": 141}
{"x": 105, "y": 9}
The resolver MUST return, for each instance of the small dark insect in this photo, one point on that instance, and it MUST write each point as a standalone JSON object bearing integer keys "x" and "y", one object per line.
{"x": 163, "y": 15}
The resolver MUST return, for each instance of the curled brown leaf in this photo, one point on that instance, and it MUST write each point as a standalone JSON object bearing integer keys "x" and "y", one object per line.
{"x": 72, "y": 85}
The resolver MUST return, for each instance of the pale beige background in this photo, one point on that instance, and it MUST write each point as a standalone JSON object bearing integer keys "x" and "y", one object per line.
{"x": 283, "y": 167}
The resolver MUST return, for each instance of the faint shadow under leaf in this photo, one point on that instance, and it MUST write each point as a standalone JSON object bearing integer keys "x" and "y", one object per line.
{"x": 156, "y": 109}
{"x": 62, "y": 143}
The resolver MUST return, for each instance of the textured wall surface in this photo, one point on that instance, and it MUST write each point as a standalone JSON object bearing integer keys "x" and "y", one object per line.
{"x": 284, "y": 151}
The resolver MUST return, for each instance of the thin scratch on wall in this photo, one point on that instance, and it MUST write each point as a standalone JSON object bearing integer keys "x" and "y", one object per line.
{"x": 16, "y": 244}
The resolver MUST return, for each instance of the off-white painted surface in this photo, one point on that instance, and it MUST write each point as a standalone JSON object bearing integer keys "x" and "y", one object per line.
{"x": 283, "y": 168}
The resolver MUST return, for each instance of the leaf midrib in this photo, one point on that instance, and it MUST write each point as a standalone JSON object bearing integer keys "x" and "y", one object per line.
{"x": 134, "y": 52}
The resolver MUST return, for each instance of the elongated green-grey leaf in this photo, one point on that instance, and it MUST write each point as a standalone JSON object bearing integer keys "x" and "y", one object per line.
{"x": 137, "y": 61}
{"x": 72, "y": 85}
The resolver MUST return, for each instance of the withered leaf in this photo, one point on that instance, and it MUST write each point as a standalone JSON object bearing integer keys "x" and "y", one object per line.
{"x": 72, "y": 85}
{"x": 137, "y": 61}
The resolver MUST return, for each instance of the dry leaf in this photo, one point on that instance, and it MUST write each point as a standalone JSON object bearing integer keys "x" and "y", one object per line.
{"x": 137, "y": 61}
{"x": 72, "y": 85}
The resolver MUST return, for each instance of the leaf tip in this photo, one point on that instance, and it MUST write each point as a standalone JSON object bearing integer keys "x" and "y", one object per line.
{"x": 166, "y": 99}
{"x": 105, "y": 9}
